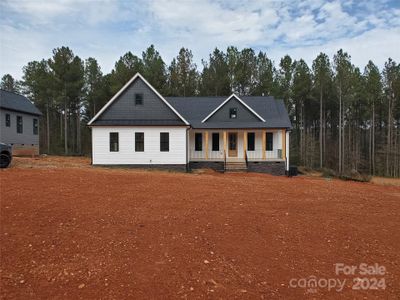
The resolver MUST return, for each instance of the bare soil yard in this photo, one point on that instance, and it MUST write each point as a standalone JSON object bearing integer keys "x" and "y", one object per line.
{"x": 69, "y": 231}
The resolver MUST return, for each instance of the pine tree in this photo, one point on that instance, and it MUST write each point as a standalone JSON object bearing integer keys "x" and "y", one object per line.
{"x": 154, "y": 69}
{"x": 322, "y": 77}
{"x": 8, "y": 83}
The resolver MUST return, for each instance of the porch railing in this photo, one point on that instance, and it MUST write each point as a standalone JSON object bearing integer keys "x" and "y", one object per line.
{"x": 257, "y": 154}
{"x": 251, "y": 155}
{"x": 212, "y": 155}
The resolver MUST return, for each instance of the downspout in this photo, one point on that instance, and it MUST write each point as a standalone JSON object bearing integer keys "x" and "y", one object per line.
{"x": 287, "y": 150}
{"x": 91, "y": 152}
{"x": 187, "y": 149}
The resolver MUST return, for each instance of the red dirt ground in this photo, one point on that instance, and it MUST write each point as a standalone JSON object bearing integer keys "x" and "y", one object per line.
{"x": 69, "y": 231}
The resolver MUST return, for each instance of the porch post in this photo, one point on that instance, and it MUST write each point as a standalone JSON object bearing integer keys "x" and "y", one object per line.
{"x": 224, "y": 141}
{"x": 206, "y": 144}
{"x": 264, "y": 135}
{"x": 244, "y": 143}
{"x": 283, "y": 144}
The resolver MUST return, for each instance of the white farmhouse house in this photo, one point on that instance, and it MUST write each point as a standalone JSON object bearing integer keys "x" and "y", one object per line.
{"x": 140, "y": 127}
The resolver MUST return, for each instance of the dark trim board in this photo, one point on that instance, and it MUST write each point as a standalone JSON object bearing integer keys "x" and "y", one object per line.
{"x": 269, "y": 167}
{"x": 173, "y": 167}
{"x": 213, "y": 165}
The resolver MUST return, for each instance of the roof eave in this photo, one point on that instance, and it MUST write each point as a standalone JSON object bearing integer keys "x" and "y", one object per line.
{"x": 23, "y": 111}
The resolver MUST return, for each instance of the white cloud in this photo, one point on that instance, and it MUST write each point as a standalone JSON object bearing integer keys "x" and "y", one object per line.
{"x": 106, "y": 29}
{"x": 376, "y": 45}
{"x": 210, "y": 19}
{"x": 46, "y": 12}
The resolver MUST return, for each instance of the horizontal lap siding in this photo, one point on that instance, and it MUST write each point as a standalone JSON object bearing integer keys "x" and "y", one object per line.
{"x": 9, "y": 135}
{"x": 127, "y": 155}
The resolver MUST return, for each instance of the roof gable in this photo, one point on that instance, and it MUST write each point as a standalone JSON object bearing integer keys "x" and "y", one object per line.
{"x": 16, "y": 102}
{"x": 220, "y": 113}
{"x": 195, "y": 109}
{"x": 122, "y": 109}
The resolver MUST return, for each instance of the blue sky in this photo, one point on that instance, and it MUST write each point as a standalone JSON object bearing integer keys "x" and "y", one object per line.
{"x": 106, "y": 29}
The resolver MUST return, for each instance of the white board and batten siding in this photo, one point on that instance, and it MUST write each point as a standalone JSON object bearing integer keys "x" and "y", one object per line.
{"x": 127, "y": 155}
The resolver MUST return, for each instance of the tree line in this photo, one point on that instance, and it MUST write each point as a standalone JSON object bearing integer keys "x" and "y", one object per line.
{"x": 344, "y": 118}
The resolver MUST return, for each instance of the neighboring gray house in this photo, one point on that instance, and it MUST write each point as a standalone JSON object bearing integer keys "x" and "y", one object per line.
{"x": 19, "y": 123}
{"x": 140, "y": 127}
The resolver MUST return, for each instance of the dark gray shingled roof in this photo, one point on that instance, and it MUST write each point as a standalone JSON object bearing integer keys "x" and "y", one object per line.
{"x": 195, "y": 109}
{"x": 131, "y": 122}
{"x": 15, "y": 102}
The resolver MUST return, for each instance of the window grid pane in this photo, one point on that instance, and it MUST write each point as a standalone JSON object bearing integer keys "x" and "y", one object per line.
{"x": 270, "y": 141}
{"x": 35, "y": 127}
{"x": 233, "y": 113}
{"x": 114, "y": 142}
{"x": 138, "y": 99}
{"x": 215, "y": 141}
{"x": 8, "y": 120}
{"x": 198, "y": 141}
{"x": 139, "y": 141}
{"x": 164, "y": 141}
{"x": 19, "y": 124}
{"x": 250, "y": 141}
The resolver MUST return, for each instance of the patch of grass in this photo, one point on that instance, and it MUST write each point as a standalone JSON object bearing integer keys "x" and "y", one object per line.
{"x": 352, "y": 176}
{"x": 328, "y": 173}
{"x": 359, "y": 178}
{"x": 386, "y": 181}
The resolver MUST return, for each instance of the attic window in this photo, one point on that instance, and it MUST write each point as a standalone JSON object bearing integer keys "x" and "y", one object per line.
{"x": 233, "y": 113}
{"x": 138, "y": 99}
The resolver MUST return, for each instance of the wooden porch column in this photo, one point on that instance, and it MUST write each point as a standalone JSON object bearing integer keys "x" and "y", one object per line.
{"x": 264, "y": 136}
{"x": 224, "y": 141}
{"x": 244, "y": 143}
{"x": 206, "y": 143}
{"x": 283, "y": 144}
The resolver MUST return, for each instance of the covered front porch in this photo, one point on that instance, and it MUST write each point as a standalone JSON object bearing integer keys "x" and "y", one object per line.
{"x": 238, "y": 145}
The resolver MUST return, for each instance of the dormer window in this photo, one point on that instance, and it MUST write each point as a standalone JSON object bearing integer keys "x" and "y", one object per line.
{"x": 233, "y": 113}
{"x": 138, "y": 99}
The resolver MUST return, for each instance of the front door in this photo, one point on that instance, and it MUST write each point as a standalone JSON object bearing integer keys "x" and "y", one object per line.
{"x": 232, "y": 145}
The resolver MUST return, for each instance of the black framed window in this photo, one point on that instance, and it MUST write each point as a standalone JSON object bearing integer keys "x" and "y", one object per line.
{"x": 114, "y": 142}
{"x": 164, "y": 141}
{"x": 250, "y": 141}
{"x": 270, "y": 141}
{"x": 215, "y": 141}
{"x": 20, "y": 126}
{"x": 198, "y": 141}
{"x": 138, "y": 99}
{"x": 233, "y": 113}
{"x": 139, "y": 141}
{"x": 35, "y": 126}
{"x": 8, "y": 120}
